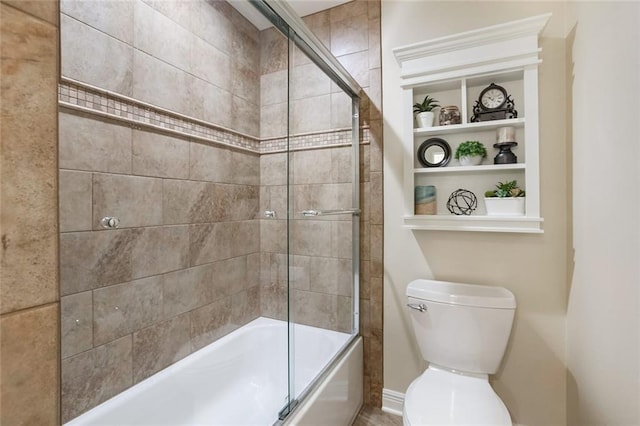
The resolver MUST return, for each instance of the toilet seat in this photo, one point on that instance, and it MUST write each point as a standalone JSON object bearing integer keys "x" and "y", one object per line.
{"x": 443, "y": 397}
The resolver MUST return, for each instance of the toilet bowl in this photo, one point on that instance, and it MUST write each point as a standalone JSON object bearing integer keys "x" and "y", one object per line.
{"x": 462, "y": 331}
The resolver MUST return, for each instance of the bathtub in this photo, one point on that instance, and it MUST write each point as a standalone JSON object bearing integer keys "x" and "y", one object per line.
{"x": 241, "y": 379}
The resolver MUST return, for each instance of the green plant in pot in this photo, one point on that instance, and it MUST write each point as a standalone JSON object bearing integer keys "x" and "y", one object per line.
{"x": 506, "y": 200}
{"x": 424, "y": 111}
{"x": 470, "y": 153}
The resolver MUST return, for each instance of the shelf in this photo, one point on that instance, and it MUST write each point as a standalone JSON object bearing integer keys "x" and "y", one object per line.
{"x": 470, "y": 169}
{"x": 468, "y": 127}
{"x": 519, "y": 224}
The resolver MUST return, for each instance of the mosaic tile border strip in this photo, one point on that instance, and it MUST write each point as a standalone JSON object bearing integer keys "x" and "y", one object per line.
{"x": 108, "y": 104}
{"x": 83, "y": 97}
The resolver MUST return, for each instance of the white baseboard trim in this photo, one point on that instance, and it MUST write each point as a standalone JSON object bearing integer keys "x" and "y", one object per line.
{"x": 392, "y": 402}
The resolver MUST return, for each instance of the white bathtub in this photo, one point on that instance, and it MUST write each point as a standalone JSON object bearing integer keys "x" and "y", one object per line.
{"x": 241, "y": 379}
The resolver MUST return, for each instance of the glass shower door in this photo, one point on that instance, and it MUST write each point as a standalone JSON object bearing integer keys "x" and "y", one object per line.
{"x": 323, "y": 220}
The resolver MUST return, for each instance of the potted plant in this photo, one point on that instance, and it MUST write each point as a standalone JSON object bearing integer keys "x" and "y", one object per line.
{"x": 506, "y": 200}
{"x": 424, "y": 111}
{"x": 470, "y": 153}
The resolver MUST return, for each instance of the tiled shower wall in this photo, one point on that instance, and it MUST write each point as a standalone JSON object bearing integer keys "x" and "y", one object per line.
{"x": 205, "y": 48}
{"x": 179, "y": 272}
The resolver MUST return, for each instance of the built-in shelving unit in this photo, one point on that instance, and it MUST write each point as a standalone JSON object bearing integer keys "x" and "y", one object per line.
{"x": 454, "y": 70}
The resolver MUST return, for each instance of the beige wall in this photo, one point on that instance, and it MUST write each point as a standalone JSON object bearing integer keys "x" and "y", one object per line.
{"x": 603, "y": 320}
{"x": 29, "y": 338}
{"x": 533, "y": 267}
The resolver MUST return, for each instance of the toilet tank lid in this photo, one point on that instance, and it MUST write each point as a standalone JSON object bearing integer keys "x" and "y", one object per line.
{"x": 462, "y": 294}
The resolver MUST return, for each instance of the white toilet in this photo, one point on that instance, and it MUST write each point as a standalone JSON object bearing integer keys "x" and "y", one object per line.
{"x": 462, "y": 331}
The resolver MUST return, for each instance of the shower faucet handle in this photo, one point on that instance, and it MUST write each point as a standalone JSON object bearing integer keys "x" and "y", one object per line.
{"x": 109, "y": 222}
{"x": 270, "y": 213}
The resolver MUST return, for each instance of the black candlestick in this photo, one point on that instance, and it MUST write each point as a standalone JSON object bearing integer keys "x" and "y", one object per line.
{"x": 505, "y": 156}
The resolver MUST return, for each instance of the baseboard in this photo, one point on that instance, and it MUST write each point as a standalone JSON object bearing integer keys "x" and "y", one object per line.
{"x": 392, "y": 402}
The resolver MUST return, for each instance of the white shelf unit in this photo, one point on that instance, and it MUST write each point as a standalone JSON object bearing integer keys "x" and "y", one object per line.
{"x": 454, "y": 70}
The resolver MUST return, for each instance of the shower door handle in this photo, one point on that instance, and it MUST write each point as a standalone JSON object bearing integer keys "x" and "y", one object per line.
{"x": 309, "y": 213}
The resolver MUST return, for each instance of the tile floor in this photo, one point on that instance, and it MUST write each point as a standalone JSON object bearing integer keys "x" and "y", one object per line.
{"x": 371, "y": 416}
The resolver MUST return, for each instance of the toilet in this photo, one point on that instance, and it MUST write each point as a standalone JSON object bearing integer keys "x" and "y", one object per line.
{"x": 462, "y": 331}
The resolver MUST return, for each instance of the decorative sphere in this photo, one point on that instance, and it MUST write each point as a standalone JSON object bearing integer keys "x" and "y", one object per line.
{"x": 462, "y": 202}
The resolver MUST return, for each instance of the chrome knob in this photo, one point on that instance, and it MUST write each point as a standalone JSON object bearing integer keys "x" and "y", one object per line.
{"x": 109, "y": 222}
{"x": 270, "y": 213}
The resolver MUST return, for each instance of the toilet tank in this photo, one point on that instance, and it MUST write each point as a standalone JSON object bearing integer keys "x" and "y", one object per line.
{"x": 464, "y": 327}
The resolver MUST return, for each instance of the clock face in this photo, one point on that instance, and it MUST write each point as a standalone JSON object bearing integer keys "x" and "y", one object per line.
{"x": 493, "y": 98}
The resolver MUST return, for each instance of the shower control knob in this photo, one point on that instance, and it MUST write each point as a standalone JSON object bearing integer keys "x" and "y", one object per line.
{"x": 110, "y": 222}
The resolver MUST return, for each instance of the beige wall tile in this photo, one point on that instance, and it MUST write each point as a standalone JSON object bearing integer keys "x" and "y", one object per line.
{"x": 349, "y": 35}
{"x": 229, "y": 277}
{"x": 273, "y": 169}
{"x": 273, "y": 236}
{"x": 188, "y": 201}
{"x": 376, "y": 251}
{"x": 159, "y": 346}
{"x": 342, "y": 239}
{"x": 313, "y": 166}
{"x": 136, "y": 201}
{"x": 210, "y": 64}
{"x": 273, "y": 88}
{"x": 158, "y": 155}
{"x": 315, "y": 309}
{"x": 245, "y": 306}
{"x": 80, "y": 44}
{"x": 273, "y": 120}
{"x": 181, "y": 12}
{"x": 75, "y": 193}
{"x": 273, "y": 51}
{"x": 245, "y": 237}
{"x": 210, "y": 163}
{"x": 155, "y": 82}
{"x": 245, "y": 83}
{"x": 121, "y": 309}
{"x": 245, "y": 168}
{"x": 342, "y": 164}
{"x": 308, "y": 81}
{"x": 209, "y": 102}
{"x": 112, "y": 18}
{"x": 210, "y": 322}
{"x": 320, "y": 25}
{"x": 212, "y": 25}
{"x": 357, "y": 64}
{"x": 76, "y": 317}
{"x": 159, "y": 250}
{"x": 375, "y": 55}
{"x": 90, "y": 260}
{"x": 43, "y": 9}
{"x": 311, "y": 238}
{"x": 273, "y": 302}
{"x": 28, "y": 269}
{"x": 311, "y": 114}
{"x": 245, "y": 113}
{"x": 209, "y": 242}
{"x": 376, "y": 207}
{"x": 29, "y": 388}
{"x": 348, "y": 10}
{"x": 94, "y": 376}
{"x": 374, "y": 92}
{"x": 187, "y": 289}
{"x": 162, "y": 38}
{"x": 341, "y": 111}
{"x": 91, "y": 144}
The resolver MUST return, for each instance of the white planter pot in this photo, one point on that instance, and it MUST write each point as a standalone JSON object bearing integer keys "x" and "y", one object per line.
{"x": 470, "y": 161}
{"x": 425, "y": 119}
{"x": 508, "y": 206}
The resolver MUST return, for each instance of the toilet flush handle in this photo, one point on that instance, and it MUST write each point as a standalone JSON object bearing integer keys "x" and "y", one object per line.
{"x": 418, "y": 306}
